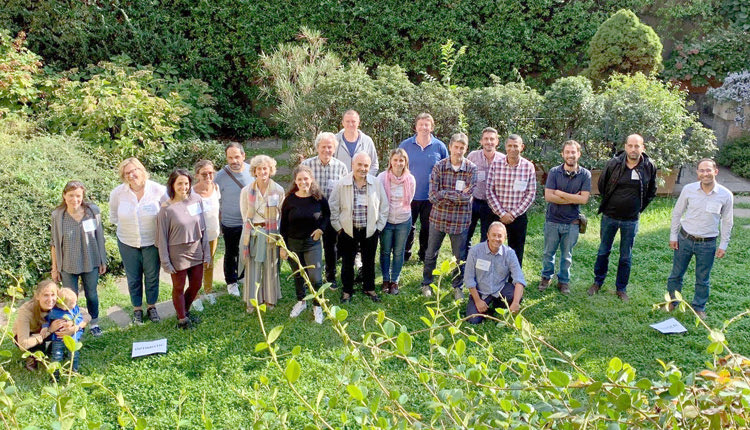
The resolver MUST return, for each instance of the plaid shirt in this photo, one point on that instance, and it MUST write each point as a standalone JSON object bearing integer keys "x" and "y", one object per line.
{"x": 511, "y": 189}
{"x": 359, "y": 206}
{"x": 451, "y": 209}
{"x": 326, "y": 175}
{"x": 483, "y": 166}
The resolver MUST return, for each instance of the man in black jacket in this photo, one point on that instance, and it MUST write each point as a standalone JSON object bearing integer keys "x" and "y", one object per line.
{"x": 627, "y": 186}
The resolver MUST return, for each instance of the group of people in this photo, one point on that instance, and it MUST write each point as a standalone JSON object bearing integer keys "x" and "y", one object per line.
{"x": 338, "y": 206}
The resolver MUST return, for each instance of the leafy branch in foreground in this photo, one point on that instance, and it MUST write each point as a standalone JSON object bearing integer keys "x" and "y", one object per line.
{"x": 466, "y": 383}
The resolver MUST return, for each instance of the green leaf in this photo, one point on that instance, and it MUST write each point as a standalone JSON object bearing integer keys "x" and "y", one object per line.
{"x": 260, "y": 346}
{"x": 623, "y": 402}
{"x": 341, "y": 315}
{"x": 296, "y": 350}
{"x": 615, "y": 365}
{"x": 292, "y": 371}
{"x": 274, "y": 334}
{"x": 140, "y": 424}
{"x": 70, "y": 343}
{"x": 403, "y": 343}
{"x": 381, "y": 316}
{"x": 643, "y": 384}
{"x": 716, "y": 336}
{"x": 460, "y": 347}
{"x": 677, "y": 388}
{"x": 558, "y": 378}
{"x": 389, "y": 328}
{"x": 355, "y": 392}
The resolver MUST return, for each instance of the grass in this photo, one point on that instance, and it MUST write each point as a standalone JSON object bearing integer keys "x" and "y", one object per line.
{"x": 214, "y": 367}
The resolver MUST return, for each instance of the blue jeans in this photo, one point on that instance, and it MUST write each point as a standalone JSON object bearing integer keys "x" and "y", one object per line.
{"x": 58, "y": 351}
{"x": 89, "y": 281}
{"x": 393, "y": 241}
{"x": 564, "y": 236}
{"x": 609, "y": 227}
{"x": 141, "y": 263}
{"x": 704, "y": 260}
{"x": 458, "y": 247}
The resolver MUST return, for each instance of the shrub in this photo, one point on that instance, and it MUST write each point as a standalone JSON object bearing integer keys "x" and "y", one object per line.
{"x": 735, "y": 154}
{"x": 657, "y": 111}
{"x": 117, "y": 109}
{"x": 510, "y": 108}
{"x": 19, "y": 70}
{"x": 708, "y": 59}
{"x": 184, "y": 154}
{"x": 735, "y": 89}
{"x": 624, "y": 45}
{"x": 33, "y": 171}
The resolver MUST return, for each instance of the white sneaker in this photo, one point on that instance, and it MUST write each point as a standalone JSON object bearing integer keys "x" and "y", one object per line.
{"x": 211, "y": 298}
{"x": 298, "y": 308}
{"x": 198, "y": 305}
{"x": 233, "y": 289}
{"x": 426, "y": 291}
{"x": 318, "y": 312}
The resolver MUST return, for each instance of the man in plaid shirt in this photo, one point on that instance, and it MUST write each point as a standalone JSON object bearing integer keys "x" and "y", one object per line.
{"x": 452, "y": 183}
{"x": 511, "y": 188}
{"x": 327, "y": 171}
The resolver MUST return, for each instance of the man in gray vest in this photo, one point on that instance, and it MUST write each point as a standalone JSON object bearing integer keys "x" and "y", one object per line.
{"x": 231, "y": 179}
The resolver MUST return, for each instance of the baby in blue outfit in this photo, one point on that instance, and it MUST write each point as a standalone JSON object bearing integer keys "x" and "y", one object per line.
{"x": 67, "y": 310}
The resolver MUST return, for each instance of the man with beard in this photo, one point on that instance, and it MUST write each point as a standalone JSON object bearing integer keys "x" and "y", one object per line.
{"x": 627, "y": 186}
{"x": 568, "y": 186}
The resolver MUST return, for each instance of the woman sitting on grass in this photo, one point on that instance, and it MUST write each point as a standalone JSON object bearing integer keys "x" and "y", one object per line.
{"x": 304, "y": 216}
{"x": 78, "y": 252}
{"x": 28, "y": 329}
{"x": 183, "y": 244}
{"x": 260, "y": 203}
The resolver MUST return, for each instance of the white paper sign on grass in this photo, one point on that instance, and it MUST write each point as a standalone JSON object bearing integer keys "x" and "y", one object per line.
{"x": 141, "y": 349}
{"x": 669, "y": 326}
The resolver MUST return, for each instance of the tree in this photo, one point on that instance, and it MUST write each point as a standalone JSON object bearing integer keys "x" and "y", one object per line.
{"x": 625, "y": 45}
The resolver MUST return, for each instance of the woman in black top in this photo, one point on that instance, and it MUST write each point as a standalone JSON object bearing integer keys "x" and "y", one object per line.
{"x": 304, "y": 215}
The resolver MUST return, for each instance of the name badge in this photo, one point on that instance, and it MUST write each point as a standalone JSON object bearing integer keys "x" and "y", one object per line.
{"x": 150, "y": 209}
{"x": 483, "y": 265}
{"x": 481, "y": 175}
{"x": 194, "y": 209}
{"x": 397, "y": 192}
{"x": 519, "y": 185}
{"x": 460, "y": 185}
{"x": 89, "y": 225}
{"x": 273, "y": 200}
{"x": 713, "y": 207}
{"x": 634, "y": 175}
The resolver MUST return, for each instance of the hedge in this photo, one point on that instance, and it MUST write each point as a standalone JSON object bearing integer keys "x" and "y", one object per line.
{"x": 220, "y": 41}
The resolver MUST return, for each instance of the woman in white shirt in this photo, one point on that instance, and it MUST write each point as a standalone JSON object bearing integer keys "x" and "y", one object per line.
{"x": 133, "y": 207}
{"x": 209, "y": 192}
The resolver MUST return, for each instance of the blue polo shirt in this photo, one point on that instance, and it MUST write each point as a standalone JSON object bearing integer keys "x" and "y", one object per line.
{"x": 557, "y": 179}
{"x": 421, "y": 162}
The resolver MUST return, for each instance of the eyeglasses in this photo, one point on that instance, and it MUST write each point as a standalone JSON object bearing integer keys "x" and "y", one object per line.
{"x": 207, "y": 174}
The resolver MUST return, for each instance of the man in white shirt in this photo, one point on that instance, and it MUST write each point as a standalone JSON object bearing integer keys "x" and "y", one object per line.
{"x": 700, "y": 209}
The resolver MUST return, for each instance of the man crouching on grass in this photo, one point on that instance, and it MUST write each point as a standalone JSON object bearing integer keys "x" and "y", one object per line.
{"x": 488, "y": 266}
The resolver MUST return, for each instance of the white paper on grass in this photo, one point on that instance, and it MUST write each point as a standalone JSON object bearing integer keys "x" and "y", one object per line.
{"x": 141, "y": 349}
{"x": 669, "y": 326}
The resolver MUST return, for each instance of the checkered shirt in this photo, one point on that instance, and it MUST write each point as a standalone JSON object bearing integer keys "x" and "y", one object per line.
{"x": 501, "y": 195}
{"x": 477, "y": 157}
{"x": 359, "y": 210}
{"x": 326, "y": 175}
{"x": 451, "y": 209}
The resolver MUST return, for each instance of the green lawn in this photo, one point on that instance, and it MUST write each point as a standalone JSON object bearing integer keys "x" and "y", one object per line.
{"x": 214, "y": 367}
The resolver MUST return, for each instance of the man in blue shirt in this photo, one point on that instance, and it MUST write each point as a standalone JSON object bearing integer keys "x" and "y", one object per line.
{"x": 568, "y": 186}
{"x": 231, "y": 179}
{"x": 488, "y": 267}
{"x": 424, "y": 151}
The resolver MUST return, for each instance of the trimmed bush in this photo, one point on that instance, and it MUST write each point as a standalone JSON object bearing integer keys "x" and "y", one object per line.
{"x": 735, "y": 154}
{"x": 33, "y": 171}
{"x": 623, "y": 44}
